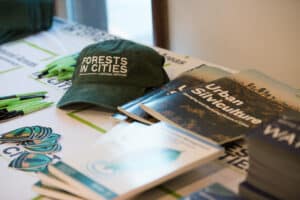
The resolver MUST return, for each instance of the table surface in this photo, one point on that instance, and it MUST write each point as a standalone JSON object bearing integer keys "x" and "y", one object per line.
{"x": 19, "y": 60}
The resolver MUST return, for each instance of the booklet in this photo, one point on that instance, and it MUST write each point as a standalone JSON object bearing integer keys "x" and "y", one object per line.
{"x": 192, "y": 77}
{"x": 133, "y": 110}
{"x": 223, "y": 110}
{"x": 128, "y": 161}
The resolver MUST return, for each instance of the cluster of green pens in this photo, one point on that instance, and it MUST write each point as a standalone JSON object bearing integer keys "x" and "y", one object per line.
{"x": 63, "y": 68}
{"x": 21, "y": 104}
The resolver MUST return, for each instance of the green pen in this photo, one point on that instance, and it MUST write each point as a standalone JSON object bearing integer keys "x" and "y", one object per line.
{"x": 16, "y": 101}
{"x": 6, "y": 102}
{"x": 21, "y": 104}
{"x": 25, "y": 101}
{"x": 23, "y": 95}
{"x": 33, "y": 108}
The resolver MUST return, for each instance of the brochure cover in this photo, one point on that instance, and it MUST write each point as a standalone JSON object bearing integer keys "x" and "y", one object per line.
{"x": 192, "y": 77}
{"x": 225, "y": 109}
{"x": 125, "y": 163}
{"x": 215, "y": 191}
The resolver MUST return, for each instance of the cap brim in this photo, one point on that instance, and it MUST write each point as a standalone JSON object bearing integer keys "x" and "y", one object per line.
{"x": 106, "y": 96}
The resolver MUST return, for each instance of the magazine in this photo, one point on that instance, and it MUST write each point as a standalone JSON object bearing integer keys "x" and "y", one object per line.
{"x": 192, "y": 77}
{"x": 223, "y": 110}
{"x": 125, "y": 163}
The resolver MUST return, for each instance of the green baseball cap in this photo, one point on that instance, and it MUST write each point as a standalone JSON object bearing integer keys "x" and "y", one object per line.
{"x": 113, "y": 72}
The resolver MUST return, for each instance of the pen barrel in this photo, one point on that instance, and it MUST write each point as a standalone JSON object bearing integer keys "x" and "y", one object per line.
{"x": 21, "y": 104}
{"x": 8, "y": 97}
{"x": 32, "y": 97}
{"x": 32, "y": 94}
{"x": 6, "y": 102}
{"x": 36, "y": 107}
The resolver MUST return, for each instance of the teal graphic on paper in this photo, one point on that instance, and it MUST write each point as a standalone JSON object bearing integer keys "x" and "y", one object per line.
{"x": 44, "y": 149}
{"x": 41, "y": 133}
{"x": 49, "y": 141}
{"x": 30, "y": 161}
{"x": 136, "y": 161}
{"x": 17, "y": 135}
{"x": 34, "y": 145}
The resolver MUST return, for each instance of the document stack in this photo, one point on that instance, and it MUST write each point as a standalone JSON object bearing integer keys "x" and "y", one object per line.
{"x": 274, "y": 157}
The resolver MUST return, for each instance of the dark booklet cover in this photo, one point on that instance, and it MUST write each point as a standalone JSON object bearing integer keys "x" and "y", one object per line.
{"x": 195, "y": 76}
{"x": 281, "y": 134}
{"x": 223, "y": 110}
{"x": 248, "y": 191}
{"x": 273, "y": 148}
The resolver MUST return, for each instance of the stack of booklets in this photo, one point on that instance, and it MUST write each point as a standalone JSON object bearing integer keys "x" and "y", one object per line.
{"x": 274, "y": 156}
{"x": 223, "y": 110}
{"x": 215, "y": 105}
{"x": 192, "y": 77}
{"x": 125, "y": 162}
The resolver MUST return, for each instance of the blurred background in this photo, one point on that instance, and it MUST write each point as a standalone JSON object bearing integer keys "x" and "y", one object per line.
{"x": 260, "y": 34}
